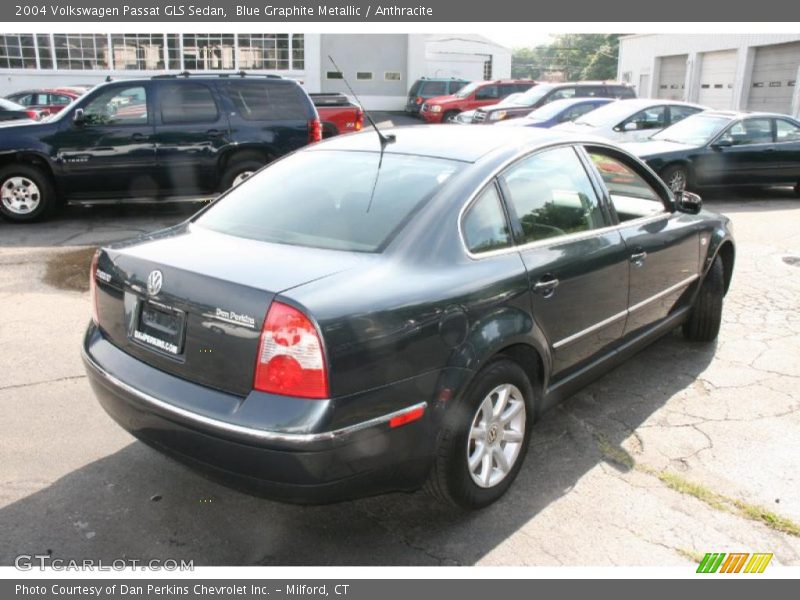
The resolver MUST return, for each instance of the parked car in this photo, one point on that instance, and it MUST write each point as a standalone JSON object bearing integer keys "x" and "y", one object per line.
{"x": 11, "y": 111}
{"x": 404, "y": 315}
{"x": 633, "y": 120}
{"x": 725, "y": 148}
{"x": 160, "y": 137}
{"x": 430, "y": 87}
{"x": 443, "y": 109}
{"x": 556, "y": 112}
{"x": 465, "y": 118}
{"x": 47, "y": 101}
{"x": 545, "y": 93}
{"x": 337, "y": 113}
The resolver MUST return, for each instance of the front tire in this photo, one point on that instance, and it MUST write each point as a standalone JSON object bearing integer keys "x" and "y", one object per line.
{"x": 676, "y": 177}
{"x": 485, "y": 437}
{"x": 26, "y": 193}
{"x": 706, "y": 316}
{"x": 449, "y": 116}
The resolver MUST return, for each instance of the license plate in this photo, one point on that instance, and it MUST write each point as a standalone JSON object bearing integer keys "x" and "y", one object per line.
{"x": 160, "y": 327}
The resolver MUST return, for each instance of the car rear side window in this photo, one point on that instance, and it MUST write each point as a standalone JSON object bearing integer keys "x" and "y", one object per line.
{"x": 433, "y": 88}
{"x": 330, "y": 199}
{"x": 552, "y": 195}
{"x": 187, "y": 103}
{"x": 484, "y": 225}
{"x": 632, "y": 196}
{"x": 679, "y": 113}
{"x": 267, "y": 101}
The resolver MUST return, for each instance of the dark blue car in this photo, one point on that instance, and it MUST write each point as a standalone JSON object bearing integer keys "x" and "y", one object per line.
{"x": 558, "y": 111}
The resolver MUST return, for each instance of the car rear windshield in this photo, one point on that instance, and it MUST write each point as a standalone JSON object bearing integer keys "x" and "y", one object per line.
{"x": 330, "y": 199}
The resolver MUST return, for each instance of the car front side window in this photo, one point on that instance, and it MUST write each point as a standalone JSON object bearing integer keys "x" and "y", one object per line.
{"x": 117, "y": 106}
{"x": 551, "y": 195}
{"x": 748, "y": 132}
{"x": 786, "y": 131}
{"x": 654, "y": 117}
{"x": 632, "y": 196}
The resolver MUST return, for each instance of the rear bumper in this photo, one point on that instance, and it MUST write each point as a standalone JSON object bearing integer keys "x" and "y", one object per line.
{"x": 358, "y": 459}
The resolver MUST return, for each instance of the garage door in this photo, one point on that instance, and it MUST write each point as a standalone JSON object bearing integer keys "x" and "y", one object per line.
{"x": 717, "y": 74}
{"x": 672, "y": 77}
{"x": 774, "y": 74}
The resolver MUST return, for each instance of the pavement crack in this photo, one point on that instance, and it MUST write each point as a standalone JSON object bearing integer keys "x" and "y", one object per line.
{"x": 46, "y": 381}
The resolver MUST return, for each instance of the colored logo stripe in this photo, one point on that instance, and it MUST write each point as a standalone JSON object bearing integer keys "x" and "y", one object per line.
{"x": 734, "y": 563}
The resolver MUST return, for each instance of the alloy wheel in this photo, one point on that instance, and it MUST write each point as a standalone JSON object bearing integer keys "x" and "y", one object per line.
{"x": 20, "y": 195}
{"x": 496, "y": 435}
{"x": 244, "y": 175}
{"x": 677, "y": 183}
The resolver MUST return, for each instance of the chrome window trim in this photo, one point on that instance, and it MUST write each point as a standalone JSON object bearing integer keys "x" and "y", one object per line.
{"x": 260, "y": 435}
{"x": 625, "y": 313}
{"x": 554, "y": 241}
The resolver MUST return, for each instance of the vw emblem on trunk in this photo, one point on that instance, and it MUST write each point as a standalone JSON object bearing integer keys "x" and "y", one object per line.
{"x": 154, "y": 281}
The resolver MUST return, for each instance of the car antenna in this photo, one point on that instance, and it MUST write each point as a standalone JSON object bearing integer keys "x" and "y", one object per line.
{"x": 385, "y": 139}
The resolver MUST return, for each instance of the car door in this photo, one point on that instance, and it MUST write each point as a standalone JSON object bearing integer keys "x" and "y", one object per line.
{"x": 663, "y": 246}
{"x": 110, "y": 152}
{"x": 191, "y": 131}
{"x": 787, "y": 151}
{"x": 743, "y": 154}
{"x": 577, "y": 266}
{"x": 485, "y": 95}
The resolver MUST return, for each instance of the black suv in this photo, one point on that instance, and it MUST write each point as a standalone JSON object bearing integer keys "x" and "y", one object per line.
{"x": 168, "y": 136}
{"x": 543, "y": 93}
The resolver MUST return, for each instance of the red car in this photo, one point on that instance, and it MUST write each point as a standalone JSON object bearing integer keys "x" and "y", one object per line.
{"x": 337, "y": 114}
{"x": 443, "y": 109}
{"x": 47, "y": 101}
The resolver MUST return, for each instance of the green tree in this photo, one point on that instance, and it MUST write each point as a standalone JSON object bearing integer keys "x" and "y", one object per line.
{"x": 576, "y": 56}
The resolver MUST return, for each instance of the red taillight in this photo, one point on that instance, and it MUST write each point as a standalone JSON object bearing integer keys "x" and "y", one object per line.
{"x": 290, "y": 358}
{"x": 359, "y": 120}
{"x": 418, "y": 100}
{"x": 314, "y": 131}
{"x": 93, "y": 287}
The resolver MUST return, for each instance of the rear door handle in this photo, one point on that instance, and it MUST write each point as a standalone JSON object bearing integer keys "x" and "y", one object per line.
{"x": 214, "y": 133}
{"x": 138, "y": 137}
{"x": 638, "y": 258}
{"x": 546, "y": 286}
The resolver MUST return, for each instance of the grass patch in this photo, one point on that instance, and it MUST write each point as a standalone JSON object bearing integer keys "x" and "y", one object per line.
{"x": 616, "y": 454}
{"x": 70, "y": 270}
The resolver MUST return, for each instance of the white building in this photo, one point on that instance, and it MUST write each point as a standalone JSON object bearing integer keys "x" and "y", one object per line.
{"x": 380, "y": 67}
{"x": 723, "y": 71}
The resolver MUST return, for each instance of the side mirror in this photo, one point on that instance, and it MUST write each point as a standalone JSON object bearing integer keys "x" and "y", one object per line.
{"x": 689, "y": 203}
{"x": 630, "y": 126}
{"x": 722, "y": 143}
{"x": 78, "y": 117}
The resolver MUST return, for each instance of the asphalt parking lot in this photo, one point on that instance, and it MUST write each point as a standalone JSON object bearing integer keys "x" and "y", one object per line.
{"x": 683, "y": 450}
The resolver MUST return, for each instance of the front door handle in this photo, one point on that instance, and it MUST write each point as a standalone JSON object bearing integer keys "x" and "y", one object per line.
{"x": 214, "y": 133}
{"x": 138, "y": 137}
{"x": 638, "y": 258}
{"x": 546, "y": 286}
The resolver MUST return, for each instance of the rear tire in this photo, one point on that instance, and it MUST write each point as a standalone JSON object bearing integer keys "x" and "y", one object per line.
{"x": 706, "y": 316}
{"x": 676, "y": 177}
{"x": 240, "y": 169}
{"x": 26, "y": 193}
{"x": 489, "y": 429}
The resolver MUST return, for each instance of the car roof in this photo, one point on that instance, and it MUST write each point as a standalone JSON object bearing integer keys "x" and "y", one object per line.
{"x": 741, "y": 114}
{"x": 466, "y": 143}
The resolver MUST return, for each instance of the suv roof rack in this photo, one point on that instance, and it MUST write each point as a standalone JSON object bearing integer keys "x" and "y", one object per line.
{"x": 187, "y": 74}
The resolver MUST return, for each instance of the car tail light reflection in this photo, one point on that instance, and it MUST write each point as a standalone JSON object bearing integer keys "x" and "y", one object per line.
{"x": 359, "y": 120}
{"x": 314, "y": 131}
{"x": 290, "y": 357}
{"x": 93, "y": 287}
{"x": 418, "y": 100}
{"x": 32, "y": 114}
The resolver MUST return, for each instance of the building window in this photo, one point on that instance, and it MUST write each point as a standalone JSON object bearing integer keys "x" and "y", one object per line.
{"x": 273, "y": 51}
{"x": 392, "y": 76}
{"x": 298, "y": 51}
{"x": 81, "y": 51}
{"x": 487, "y": 69}
{"x": 141, "y": 51}
{"x": 334, "y": 75}
{"x": 17, "y": 52}
{"x": 208, "y": 51}
{"x": 364, "y": 75}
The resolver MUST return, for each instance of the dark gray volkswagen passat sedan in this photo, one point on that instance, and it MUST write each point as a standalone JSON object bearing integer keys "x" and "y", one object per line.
{"x": 350, "y": 321}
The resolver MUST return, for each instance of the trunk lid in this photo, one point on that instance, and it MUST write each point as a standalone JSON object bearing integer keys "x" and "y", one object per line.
{"x": 202, "y": 319}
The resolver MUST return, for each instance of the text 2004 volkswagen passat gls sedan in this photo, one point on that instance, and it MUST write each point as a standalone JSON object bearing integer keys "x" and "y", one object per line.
{"x": 362, "y": 317}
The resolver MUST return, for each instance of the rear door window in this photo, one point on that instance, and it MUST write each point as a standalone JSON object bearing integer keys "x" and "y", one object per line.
{"x": 187, "y": 103}
{"x": 590, "y": 91}
{"x": 267, "y": 100}
{"x": 455, "y": 86}
{"x": 484, "y": 225}
{"x": 551, "y": 194}
{"x": 433, "y": 88}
